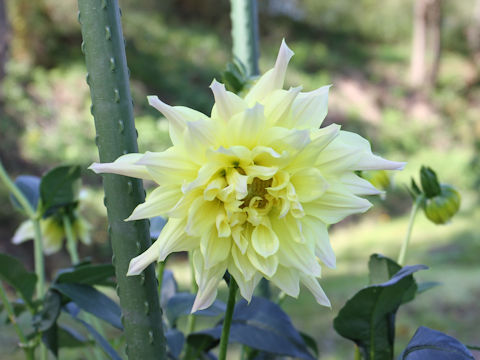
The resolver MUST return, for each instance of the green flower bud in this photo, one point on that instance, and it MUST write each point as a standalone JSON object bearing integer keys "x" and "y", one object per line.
{"x": 441, "y": 208}
{"x": 429, "y": 181}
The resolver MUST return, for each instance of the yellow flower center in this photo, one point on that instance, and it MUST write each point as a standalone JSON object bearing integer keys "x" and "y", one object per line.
{"x": 257, "y": 191}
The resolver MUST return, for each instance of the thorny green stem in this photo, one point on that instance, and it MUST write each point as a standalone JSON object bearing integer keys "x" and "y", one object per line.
{"x": 11, "y": 315}
{"x": 406, "y": 241}
{"x": 108, "y": 78}
{"x": 227, "y": 322}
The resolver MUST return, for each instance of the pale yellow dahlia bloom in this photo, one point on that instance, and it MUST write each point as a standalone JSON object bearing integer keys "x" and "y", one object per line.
{"x": 53, "y": 233}
{"x": 252, "y": 187}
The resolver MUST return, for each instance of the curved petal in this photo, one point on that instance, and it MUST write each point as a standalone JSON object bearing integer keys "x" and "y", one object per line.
{"x": 287, "y": 280}
{"x": 227, "y": 103}
{"x": 315, "y": 230}
{"x": 125, "y": 165}
{"x": 309, "y": 109}
{"x": 264, "y": 240}
{"x": 24, "y": 232}
{"x": 309, "y": 184}
{"x": 214, "y": 249}
{"x": 312, "y": 284}
{"x": 272, "y": 79}
{"x": 207, "y": 280}
{"x": 158, "y": 203}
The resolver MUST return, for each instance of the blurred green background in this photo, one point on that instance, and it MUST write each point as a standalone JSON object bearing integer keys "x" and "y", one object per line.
{"x": 405, "y": 75}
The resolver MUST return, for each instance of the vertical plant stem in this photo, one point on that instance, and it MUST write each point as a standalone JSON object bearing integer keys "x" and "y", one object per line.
{"x": 35, "y": 218}
{"x": 357, "y": 355}
{"x": 71, "y": 245}
{"x": 244, "y": 16}
{"x": 189, "y": 350}
{"x": 75, "y": 259}
{"x": 13, "y": 319}
{"x": 227, "y": 322}
{"x": 160, "y": 271}
{"x": 406, "y": 241}
{"x": 112, "y": 108}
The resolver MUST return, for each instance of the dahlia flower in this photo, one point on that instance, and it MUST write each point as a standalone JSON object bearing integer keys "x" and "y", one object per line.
{"x": 252, "y": 188}
{"x": 53, "y": 233}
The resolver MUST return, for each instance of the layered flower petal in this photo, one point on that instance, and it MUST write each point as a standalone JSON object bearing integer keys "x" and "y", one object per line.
{"x": 252, "y": 189}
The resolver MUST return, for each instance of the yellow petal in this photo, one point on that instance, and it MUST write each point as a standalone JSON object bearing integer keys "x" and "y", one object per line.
{"x": 272, "y": 79}
{"x": 158, "y": 203}
{"x": 265, "y": 240}
{"x": 278, "y": 106}
{"x": 309, "y": 109}
{"x": 312, "y": 284}
{"x": 334, "y": 206}
{"x": 315, "y": 231}
{"x": 214, "y": 249}
{"x": 24, "y": 232}
{"x": 201, "y": 216}
{"x": 243, "y": 263}
{"x": 207, "y": 280}
{"x": 125, "y": 165}
{"x": 309, "y": 184}
{"x": 287, "y": 280}
{"x": 227, "y": 103}
{"x": 245, "y": 127}
{"x": 267, "y": 266}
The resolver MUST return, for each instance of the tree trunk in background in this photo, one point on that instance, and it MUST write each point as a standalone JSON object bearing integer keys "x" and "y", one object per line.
{"x": 427, "y": 43}
{"x": 435, "y": 27}
{"x": 417, "y": 60}
{"x": 473, "y": 35}
{"x": 4, "y": 38}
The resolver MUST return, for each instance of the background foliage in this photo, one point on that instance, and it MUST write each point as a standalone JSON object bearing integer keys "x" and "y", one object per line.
{"x": 175, "y": 48}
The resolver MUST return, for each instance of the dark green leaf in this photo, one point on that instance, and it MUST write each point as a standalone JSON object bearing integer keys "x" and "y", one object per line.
{"x": 175, "y": 341}
{"x": 310, "y": 342}
{"x": 88, "y": 274}
{"x": 381, "y": 269}
{"x": 30, "y": 188}
{"x": 48, "y": 316}
{"x": 93, "y": 301}
{"x": 428, "y": 344}
{"x": 368, "y": 318}
{"x": 50, "y": 339}
{"x": 202, "y": 342}
{"x": 73, "y": 310}
{"x": 429, "y": 181}
{"x": 60, "y": 187}
{"x": 13, "y": 272}
{"x": 263, "y": 325}
{"x": 181, "y": 304}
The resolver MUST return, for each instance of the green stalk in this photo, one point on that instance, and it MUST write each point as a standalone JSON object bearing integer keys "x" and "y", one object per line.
{"x": 71, "y": 245}
{"x": 227, "y": 322}
{"x": 190, "y": 352}
{"x": 35, "y": 218}
{"x": 116, "y": 135}
{"x": 357, "y": 354}
{"x": 75, "y": 259}
{"x": 13, "y": 319}
{"x": 406, "y": 241}
{"x": 244, "y": 16}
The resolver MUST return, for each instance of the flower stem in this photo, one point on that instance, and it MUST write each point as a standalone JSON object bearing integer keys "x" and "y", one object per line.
{"x": 413, "y": 213}
{"x": 160, "y": 271}
{"x": 71, "y": 245}
{"x": 189, "y": 350}
{"x": 11, "y": 315}
{"x": 16, "y": 192}
{"x": 357, "y": 355}
{"x": 75, "y": 259}
{"x": 108, "y": 78}
{"x": 227, "y": 322}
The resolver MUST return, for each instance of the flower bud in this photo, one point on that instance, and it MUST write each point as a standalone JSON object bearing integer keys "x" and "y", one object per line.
{"x": 429, "y": 181}
{"x": 441, "y": 208}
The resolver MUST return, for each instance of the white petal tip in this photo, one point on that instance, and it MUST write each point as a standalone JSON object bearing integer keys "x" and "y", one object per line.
{"x": 96, "y": 168}
{"x": 285, "y": 50}
{"x": 216, "y": 85}
{"x": 158, "y": 104}
{"x": 137, "y": 265}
